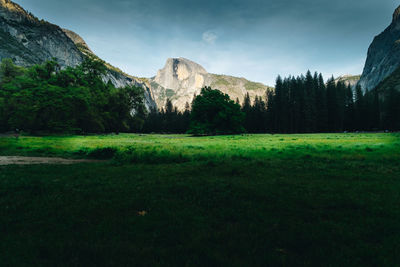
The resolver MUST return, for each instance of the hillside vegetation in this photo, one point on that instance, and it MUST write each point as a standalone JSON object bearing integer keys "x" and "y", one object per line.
{"x": 45, "y": 99}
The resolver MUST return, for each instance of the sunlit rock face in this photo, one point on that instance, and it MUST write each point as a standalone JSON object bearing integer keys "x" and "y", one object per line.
{"x": 351, "y": 80}
{"x": 27, "y": 41}
{"x": 383, "y": 55}
{"x": 181, "y": 79}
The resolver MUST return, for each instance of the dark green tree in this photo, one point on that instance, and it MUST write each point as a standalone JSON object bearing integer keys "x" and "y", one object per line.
{"x": 214, "y": 113}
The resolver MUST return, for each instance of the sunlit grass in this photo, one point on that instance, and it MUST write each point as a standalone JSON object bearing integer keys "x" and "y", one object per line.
{"x": 263, "y": 146}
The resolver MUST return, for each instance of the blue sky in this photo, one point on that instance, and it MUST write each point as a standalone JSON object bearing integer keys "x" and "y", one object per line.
{"x": 254, "y": 39}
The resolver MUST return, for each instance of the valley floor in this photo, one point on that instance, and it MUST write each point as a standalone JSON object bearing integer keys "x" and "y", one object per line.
{"x": 175, "y": 200}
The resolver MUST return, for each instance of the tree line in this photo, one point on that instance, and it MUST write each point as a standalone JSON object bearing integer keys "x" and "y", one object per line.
{"x": 306, "y": 104}
{"x": 45, "y": 99}
{"x": 302, "y": 104}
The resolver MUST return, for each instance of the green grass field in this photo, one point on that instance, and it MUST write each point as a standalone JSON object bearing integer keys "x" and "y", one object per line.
{"x": 175, "y": 200}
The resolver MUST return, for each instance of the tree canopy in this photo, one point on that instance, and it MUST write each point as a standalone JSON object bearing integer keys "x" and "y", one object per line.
{"x": 214, "y": 113}
{"x": 44, "y": 98}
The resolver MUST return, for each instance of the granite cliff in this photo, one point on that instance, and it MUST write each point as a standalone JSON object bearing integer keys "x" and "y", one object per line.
{"x": 27, "y": 41}
{"x": 383, "y": 55}
{"x": 181, "y": 79}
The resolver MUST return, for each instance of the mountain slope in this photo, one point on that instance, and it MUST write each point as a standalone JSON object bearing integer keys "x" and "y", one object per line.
{"x": 181, "y": 79}
{"x": 351, "y": 80}
{"x": 392, "y": 81}
{"x": 115, "y": 75}
{"x": 383, "y": 55}
{"x": 28, "y": 40}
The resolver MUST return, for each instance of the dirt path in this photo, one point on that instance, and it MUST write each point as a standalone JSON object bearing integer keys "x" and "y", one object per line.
{"x": 16, "y": 160}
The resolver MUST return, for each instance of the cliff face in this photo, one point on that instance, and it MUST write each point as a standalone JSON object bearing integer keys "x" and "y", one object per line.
{"x": 181, "y": 79}
{"x": 28, "y": 40}
{"x": 383, "y": 55}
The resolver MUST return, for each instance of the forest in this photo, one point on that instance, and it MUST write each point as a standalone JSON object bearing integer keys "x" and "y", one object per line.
{"x": 47, "y": 99}
{"x": 303, "y": 104}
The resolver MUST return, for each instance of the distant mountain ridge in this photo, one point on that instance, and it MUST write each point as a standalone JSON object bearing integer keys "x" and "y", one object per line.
{"x": 351, "y": 80}
{"x": 181, "y": 79}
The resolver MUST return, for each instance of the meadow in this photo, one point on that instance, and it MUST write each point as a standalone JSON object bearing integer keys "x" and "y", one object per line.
{"x": 185, "y": 148}
{"x": 177, "y": 200}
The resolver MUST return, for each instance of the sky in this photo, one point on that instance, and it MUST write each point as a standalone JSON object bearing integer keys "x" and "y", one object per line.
{"x": 255, "y": 39}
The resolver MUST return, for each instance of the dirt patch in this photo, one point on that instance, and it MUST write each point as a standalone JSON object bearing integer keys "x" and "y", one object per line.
{"x": 16, "y": 160}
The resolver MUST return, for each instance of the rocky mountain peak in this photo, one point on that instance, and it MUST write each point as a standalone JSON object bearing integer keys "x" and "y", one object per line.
{"x": 181, "y": 79}
{"x": 181, "y": 73}
{"x": 78, "y": 40}
{"x": 181, "y": 68}
{"x": 14, "y": 12}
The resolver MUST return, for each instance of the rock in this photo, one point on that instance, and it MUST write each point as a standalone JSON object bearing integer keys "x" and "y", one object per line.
{"x": 28, "y": 40}
{"x": 351, "y": 80}
{"x": 383, "y": 55}
{"x": 78, "y": 40}
{"x": 181, "y": 79}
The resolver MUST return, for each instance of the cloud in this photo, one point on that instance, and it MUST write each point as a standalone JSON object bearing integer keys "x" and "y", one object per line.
{"x": 210, "y": 37}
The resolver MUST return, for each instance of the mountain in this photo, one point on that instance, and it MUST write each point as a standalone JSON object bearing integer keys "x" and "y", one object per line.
{"x": 383, "y": 55}
{"x": 27, "y": 41}
{"x": 392, "y": 81}
{"x": 351, "y": 80}
{"x": 181, "y": 79}
{"x": 114, "y": 74}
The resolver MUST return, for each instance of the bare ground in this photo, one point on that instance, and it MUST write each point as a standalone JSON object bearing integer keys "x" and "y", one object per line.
{"x": 16, "y": 160}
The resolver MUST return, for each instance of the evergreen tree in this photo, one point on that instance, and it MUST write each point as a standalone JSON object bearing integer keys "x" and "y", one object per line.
{"x": 349, "y": 117}
{"x": 360, "y": 109}
{"x": 321, "y": 105}
{"x": 392, "y": 109}
{"x": 332, "y": 105}
{"x": 214, "y": 113}
{"x": 247, "y": 110}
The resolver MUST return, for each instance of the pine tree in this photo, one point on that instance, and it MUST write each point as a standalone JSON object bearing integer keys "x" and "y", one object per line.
{"x": 321, "y": 106}
{"x": 360, "y": 109}
{"x": 310, "y": 117}
{"x": 278, "y": 106}
{"x": 270, "y": 112}
{"x": 349, "y": 117}
{"x": 332, "y": 105}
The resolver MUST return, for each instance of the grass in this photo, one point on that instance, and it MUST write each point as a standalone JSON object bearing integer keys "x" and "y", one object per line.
{"x": 219, "y": 148}
{"x": 252, "y": 200}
